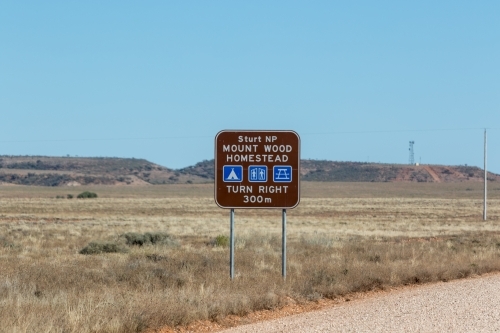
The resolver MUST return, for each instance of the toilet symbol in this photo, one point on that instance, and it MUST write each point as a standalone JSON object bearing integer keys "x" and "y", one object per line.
{"x": 257, "y": 173}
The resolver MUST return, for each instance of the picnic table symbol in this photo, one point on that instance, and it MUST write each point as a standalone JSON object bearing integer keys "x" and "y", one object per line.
{"x": 282, "y": 173}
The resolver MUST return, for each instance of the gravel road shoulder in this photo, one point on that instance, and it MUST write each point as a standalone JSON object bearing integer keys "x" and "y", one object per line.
{"x": 469, "y": 305}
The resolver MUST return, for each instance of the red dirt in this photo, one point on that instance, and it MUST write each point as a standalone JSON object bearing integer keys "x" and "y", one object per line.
{"x": 432, "y": 173}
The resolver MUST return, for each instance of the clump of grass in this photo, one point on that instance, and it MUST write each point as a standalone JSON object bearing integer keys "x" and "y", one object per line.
{"x": 221, "y": 241}
{"x": 98, "y": 248}
{"x": 149, "y": 238}
{"x": 87, "y": 195}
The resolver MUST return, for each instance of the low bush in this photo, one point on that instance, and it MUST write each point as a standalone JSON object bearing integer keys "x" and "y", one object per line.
{"x": 148, "y": 238}
{"x": 86, "y": 195}
{"x": 98, "y": 248}
{"x": 221, "y": 241}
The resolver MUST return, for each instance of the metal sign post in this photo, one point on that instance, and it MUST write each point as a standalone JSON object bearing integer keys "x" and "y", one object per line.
{"x": 283, "y": 244}
{"x": 257, "y": 169}
{"x": 231, "y": 241}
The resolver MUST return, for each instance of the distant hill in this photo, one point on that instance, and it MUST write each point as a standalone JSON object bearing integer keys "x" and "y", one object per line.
{"x": 328, "y": 171}
{"x": 74, "y": 171}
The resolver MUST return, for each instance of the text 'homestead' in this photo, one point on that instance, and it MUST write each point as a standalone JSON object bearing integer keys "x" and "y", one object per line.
{"x": 257, "y": 169}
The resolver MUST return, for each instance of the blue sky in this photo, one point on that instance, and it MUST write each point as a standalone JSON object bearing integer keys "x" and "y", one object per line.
{"x": 158, "y": 79}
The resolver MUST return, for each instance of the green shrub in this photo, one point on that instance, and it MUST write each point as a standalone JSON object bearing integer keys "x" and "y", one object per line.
{"x": 148, "y": 238}
{"x": 69, "y": 196}
{"x": 86, "y": 194}
{"x": 221, "y": 240}
{"x": 98, "y": 248}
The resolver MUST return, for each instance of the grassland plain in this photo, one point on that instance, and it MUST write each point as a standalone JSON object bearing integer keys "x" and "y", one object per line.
{"x": 343, "y": 238}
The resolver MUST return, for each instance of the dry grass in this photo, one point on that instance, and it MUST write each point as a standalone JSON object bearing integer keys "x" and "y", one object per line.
{"x": 342, "y": 238}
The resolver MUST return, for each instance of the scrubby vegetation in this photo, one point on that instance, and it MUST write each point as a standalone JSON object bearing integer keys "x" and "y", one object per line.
{"x": 349, "y": 172}
{"x": 203, "y": 169}
{"x": 138, "y": 263}
{"x": 49, "y": 179}
{"x": 98, "y": 248}
{"x": 175, "y": 286}
{"x": 125, "y": 241}
{"x": 86, "y": 195}
{"x": 221, "y": 240}
{"x": 148, "y": 238}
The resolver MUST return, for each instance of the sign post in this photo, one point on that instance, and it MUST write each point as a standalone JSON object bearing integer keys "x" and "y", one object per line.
{"x": 231, "y": 241}
{"x": 283, "y": 244}
{"x": 257, "y": 169}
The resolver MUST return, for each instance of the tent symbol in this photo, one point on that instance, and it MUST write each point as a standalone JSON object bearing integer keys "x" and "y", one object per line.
{"x": 232, "y": 173}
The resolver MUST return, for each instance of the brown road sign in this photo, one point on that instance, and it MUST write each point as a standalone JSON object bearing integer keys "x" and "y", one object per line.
{"x": 257, "y": 169}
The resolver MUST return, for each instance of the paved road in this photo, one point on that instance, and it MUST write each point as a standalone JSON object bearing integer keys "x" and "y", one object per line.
{"x": 471, "y": 305}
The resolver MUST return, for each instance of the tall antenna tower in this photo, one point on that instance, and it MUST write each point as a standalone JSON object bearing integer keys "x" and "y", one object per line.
{"x": 412, "y": 155}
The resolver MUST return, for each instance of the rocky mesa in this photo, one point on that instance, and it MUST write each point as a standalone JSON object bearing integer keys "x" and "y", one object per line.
{"x": 75, "y": 171}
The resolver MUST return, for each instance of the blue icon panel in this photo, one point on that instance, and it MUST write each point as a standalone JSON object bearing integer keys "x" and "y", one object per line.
{"x": 282, "y": 173}
{"x": 257, "y": 173}
{"x": 232, "y": 173}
